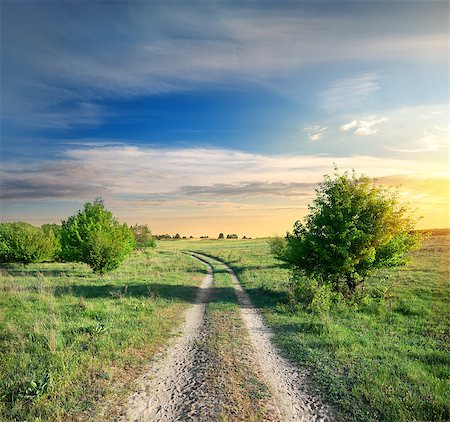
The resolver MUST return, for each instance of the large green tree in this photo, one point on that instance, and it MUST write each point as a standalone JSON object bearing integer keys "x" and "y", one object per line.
{"x": 95, "y": 237}
{"x": 354, "y": 228}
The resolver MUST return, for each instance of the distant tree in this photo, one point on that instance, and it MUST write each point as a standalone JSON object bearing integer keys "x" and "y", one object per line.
{"x": 24, "y": 243}
{"x": 143, "y": 236}
{"x": 221, "y": 236}
{"x": 354, "y": 228}
{"x": 191, "y": 237}
{"x": 177, "y": 236}
{"x": 95, "y": 237}
{"x": 232, "y": 236}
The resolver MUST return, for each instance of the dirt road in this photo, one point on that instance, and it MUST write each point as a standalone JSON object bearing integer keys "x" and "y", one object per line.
{"x": 184, "y": 383}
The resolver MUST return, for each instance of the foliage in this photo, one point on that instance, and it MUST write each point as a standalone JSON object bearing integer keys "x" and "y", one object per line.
{"x": 232, "y": 236}
{"x": 143, "y": 236}
{"x": 93, "y": 236}
{"x": 24, "y": 243}
{"x": 353, "y": 229}
{"x": 221, "y": 236}
{"x": 55, "y": 230}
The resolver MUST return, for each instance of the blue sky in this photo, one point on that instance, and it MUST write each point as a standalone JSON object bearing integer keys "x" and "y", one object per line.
{"x": 205, "y": 116}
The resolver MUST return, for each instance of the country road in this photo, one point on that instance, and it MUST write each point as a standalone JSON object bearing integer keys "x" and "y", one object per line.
{"x": 184, "y": 383}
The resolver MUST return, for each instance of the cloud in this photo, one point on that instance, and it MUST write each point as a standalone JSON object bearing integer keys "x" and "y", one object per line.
{"x": 170, "y": 186}
{"x": 365, "y": 126}
{"x": 131, "y": 172}
{"x": 83, "y": 53}
{"x": 349, "y": 93}
{"x": 315, "y": 133}
{"x": 252, "y": 189}
{"x": 428, "y": 142}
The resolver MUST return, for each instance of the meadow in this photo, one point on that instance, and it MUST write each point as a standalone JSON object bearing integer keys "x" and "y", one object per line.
{"x": 385, "y": 357}
{"x": 72, "y": 343}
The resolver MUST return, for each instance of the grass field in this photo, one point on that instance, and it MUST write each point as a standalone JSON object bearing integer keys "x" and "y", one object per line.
{"x": 70, "y": 340}
{"x": 378, "y": 360}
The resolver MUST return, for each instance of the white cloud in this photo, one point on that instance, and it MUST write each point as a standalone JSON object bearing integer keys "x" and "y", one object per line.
{"x": 164, "y": 174}
{"x": 364, "y": 127}
{"x": 349, "y": 93}
{"x": 315, "y": 133}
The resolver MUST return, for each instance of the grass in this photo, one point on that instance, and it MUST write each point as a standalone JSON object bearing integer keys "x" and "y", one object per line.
{"x": 378, "y": 360}
{"x": 71, "y": 340}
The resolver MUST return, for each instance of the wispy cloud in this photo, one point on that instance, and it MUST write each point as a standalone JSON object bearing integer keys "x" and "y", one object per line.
{"x": 315, "y": 133}
{"x": 149, "y": 184}
{"x": 428, "y": 142}
{"x": 62, "y": 54}
{"x": 364, "y": 127}
{"x": 138, "y": 172}
{"x": 349, "y": 93}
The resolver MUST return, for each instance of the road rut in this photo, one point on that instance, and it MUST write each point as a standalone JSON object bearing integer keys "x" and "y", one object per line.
{"x": 176, "y": 385}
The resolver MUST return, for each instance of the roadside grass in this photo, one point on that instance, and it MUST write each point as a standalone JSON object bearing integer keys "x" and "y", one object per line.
{"x": 71, "y": 340}
{"x": 234, "y": 376}
{"x": 377, "y": 359}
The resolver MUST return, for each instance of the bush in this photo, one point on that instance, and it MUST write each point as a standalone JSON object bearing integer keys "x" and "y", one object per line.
{"x": 24, "y": 243}
{"x": 93, "y": 236}
{"x": 143, "y": 236}
{"x": 353, "y": 229}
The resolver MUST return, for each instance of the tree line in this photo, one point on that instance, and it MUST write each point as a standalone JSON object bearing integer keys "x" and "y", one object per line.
{"x": 92, "y": 236}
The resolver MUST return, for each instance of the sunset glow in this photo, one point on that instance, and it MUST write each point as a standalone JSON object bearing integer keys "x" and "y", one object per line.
{"x": 209, "y": 117}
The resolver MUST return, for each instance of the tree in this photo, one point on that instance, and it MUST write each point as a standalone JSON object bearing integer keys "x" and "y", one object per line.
{"x": 354, "y": 228}
{"x": 232, "y": 236}
{"x": 93, "y": 236}
{"x": 54, "y": 230}
{"x": 221, "y": 236}
{"x": 143, "y": 236}
{"x": 177, "y": 236}
{"x": 22, "y": 242}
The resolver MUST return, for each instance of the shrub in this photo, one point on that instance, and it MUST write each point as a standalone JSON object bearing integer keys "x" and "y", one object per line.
{"x": 143, "y": 236}
{"x": 353, "y": 229}
{"x": 22, "y": 242}
{"x": 93, "y": 236}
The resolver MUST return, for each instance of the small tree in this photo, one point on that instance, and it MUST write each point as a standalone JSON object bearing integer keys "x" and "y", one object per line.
{"x": 232, "y": 236}
{"x": 54, "y": 230}
{"x": 221, "y": 236}
{"x": 143, "y": 236}
{"x": 353, "y": 229}
{"x": 22, "y": 242}
{"x": 93, "y": 236}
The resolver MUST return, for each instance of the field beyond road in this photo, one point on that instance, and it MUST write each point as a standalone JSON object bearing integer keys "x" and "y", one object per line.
{"x": 73, "y": 344}
{"x": 381, "y": 359}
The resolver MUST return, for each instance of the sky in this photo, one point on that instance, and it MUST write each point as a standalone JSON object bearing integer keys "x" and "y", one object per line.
{"x": 201, "y": 117}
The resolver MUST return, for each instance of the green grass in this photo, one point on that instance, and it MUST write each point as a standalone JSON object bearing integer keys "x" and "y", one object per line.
{"x": 378, "y": 360}
{"x": 71, "y": 340}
